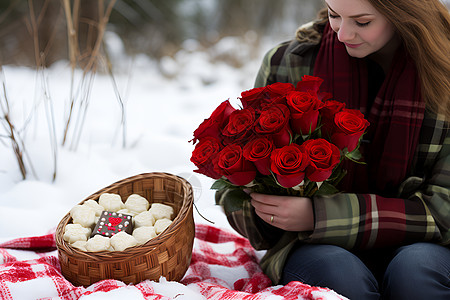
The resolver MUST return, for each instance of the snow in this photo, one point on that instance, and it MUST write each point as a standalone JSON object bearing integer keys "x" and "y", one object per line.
{"x": 165, "y": 102}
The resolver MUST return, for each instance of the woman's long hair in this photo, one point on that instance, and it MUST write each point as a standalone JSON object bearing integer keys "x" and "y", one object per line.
{"x": 424, "y": 27}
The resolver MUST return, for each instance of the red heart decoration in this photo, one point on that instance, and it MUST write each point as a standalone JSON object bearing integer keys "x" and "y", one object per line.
{"x": 115, "y": 221}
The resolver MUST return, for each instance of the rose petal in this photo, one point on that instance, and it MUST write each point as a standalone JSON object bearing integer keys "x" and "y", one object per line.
{"x": 289, "y": 181}
{"x": 242, "y": 178}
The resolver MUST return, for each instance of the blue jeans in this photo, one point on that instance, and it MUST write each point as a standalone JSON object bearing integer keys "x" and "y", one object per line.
{"x": 418, "y": 271}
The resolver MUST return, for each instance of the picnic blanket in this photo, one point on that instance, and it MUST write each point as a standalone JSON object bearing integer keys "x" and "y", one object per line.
{"x": 223, "y": 266}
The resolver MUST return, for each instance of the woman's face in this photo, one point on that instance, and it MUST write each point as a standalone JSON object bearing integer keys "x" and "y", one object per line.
{"x": 359, "y": 26}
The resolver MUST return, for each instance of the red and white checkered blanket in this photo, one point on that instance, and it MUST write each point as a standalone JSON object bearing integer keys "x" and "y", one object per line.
{"x": 223, "y": 266}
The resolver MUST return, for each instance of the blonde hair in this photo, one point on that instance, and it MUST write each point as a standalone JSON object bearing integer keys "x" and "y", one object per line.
{"x": 424, "y": 27}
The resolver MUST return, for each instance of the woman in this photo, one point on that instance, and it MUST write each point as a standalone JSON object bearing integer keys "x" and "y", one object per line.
{"x": 387, "y": 235}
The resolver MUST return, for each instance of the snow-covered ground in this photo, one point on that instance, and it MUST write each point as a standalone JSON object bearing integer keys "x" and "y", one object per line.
{"x": 161, "y": 114}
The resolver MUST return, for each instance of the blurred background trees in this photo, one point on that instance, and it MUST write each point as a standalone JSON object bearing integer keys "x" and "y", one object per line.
{"x": 91, "y": 33}
{"x": 32, "y": 30}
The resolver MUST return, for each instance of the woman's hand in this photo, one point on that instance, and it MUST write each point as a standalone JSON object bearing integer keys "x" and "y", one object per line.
{"x": 285, "y": 212}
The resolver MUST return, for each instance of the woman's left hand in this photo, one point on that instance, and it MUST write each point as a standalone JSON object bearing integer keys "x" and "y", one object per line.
{"x": 285, "y": 212}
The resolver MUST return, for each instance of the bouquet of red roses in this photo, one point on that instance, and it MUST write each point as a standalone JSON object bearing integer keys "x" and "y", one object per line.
{"x": 285, "y": 139}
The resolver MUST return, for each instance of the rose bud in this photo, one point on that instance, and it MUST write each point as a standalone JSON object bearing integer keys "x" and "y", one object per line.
{"x": 327, "y": 113}
{"x": 289, "y": 164}
{"x": 309, "y": 83}
{"x": 214, "y": 124}
{"x": 240, "y": 125}
{"x": 258, "y": 151}
{"x": 252, "y": 97}
{"x": 349, "y": 127}
{"x": 274, "y": 122}
{"x": 232, "y": 164}
{"x": 203, "y": 155}
{"x": 304, "y": 107}
{"x": 323, "y": 157}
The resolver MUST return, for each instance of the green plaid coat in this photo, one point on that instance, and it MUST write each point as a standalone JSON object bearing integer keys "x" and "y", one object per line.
{"x": 421, "y": 211}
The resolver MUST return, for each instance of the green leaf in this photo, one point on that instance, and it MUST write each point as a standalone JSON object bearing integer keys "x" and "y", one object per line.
{"x": 337, "y": 176}
{"x": 234, "y": 200}
{"x": 355, "y": 156}
{"x": 310, "y": 188}
{"x": 326, "y": 189}
{"x": 220, "y": 184}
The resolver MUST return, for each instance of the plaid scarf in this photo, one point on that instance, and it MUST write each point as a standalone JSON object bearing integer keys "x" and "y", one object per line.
{"x": 395, "y": 117}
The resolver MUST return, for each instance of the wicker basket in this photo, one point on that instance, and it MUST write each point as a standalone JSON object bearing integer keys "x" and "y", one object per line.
{"x": 168, "y": 254}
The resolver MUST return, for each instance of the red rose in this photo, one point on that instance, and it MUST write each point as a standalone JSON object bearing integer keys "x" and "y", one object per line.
{"x": 304, "y": 107}
{"x": 258, "y": 151}
{"x": 289, "y": 164}
{"x": 260, "y": 97}
{"x": 232, "y": 164}
{"x": 312, "y": 83}
{"x": 330, "y": 108}
{"x": 274, "y": 121}
{"x": 349, "y": 127}
{"x": 252, "y": 97}
{"x": 327, "y": 113}
{"x": 214, "y": 124}
{"x": 276, "y": 94}
{"x": 279, "y": 89}
{"x": 309, "y": 83}
{"x": 323, "y": 157}
{"x": 203, "y": 155}
{"x": 240, "y": 124}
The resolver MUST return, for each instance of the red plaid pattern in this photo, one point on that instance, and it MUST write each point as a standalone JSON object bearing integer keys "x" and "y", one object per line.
{"x": 224, "y": 266}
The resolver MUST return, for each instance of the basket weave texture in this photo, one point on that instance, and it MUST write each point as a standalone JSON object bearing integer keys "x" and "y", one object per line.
{"x": 169, "y": 254}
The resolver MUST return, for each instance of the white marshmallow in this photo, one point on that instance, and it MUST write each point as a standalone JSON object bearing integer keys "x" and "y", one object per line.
{"x": 161, "y": 225}
{"x": 161, "y": 211}
{"x": 122, "y": 240}
{"x": 111, "y": 202}
{"x": 137, "y": 203}
{"x": 83, "y": 215}
{"x": 72, "y": 226}
{"x": 145, "y": 218}
{"x": 80, "y": 245}
{"x": 75, "y": 208}
{"x": 144, "y": 234}
{"x": 95, "y": 206}
{"x": 127, "y": 212}
{"x": 76, "y": 232}
{"x": 98, "y": 243}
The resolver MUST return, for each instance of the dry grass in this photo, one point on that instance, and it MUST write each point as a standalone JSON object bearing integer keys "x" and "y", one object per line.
{"x": 85, "y": 55}
{"x": 88, "y": 61}
{"x": 12, "y": 134}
